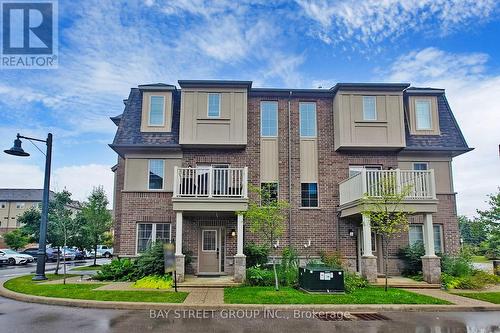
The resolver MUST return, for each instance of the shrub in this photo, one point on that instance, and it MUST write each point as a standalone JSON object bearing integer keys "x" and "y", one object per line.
{"x": 155, "y": 282}
{"x": 458, "y": 266}
{"x": 353, "y": 281}
{"x": 332, "y": 259}
{"x": 411, "y": 257}
{"x": 256, "y": 254}
{"x": 257, "y": 276}
{"x": 288, "y": 272}
{"x": 478, "y": 280}
{"x": 151, "y": 262}
{"x": 117, "y": 270}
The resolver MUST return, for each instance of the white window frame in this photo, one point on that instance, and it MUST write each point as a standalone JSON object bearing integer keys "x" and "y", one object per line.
{"x": 315, "y": 122}
{"x": 208, "y": 105}
{"x": 421, "y": 226}
{"x": 203, "y": 240}
{"x": 374, "y": 98}
{"x": 441, "y": 249}
{"x": 20, "y": 205}
{"x": 317, "y": 191}
{"x": 163, "y": 177}
{"x": 426, "y": 165}
{"x": 153, "y": 233}
{"x": 431, "y": 125}
{"x": 163, "y": 111}
{"x": 261, "y": 119}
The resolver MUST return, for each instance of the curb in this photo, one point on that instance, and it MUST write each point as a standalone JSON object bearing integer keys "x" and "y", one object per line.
{"x": 220, "y": 307}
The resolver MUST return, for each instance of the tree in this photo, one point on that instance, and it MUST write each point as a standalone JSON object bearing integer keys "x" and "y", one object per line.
{"x": 388, "y": 219}
{"x": 97, "y": 218}
{"x": 491, "y": 217}
{"x": 472, "y": 231}
{"x": 266, "y": 217}
{"x": 30, "y": 223}
{"x": 16, "y": 239}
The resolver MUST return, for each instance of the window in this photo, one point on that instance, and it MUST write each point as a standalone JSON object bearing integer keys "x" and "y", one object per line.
{"x": 269, "y": 118}
{"x": 369, "y": 108}
{"x": 3, "y": 205}
{"x": 214, "y": 105}
{"x": 20, "y": 205}
{"x": 156, "y": 170}
{"x": 438, "y": 238}
{"x": 149, "y": 233}
{"x": 307, "y": 119}
{"x": 356, "y": 169}
{"x": 156, "y": 111}
{"x": 270, "y": 193}
{"x": 423, "y": 115}
{"x": 416, "y": 234}
{"x": 309, "y": 194}
{"x": 422, "y": 166}
{"x": 209, "y": 240}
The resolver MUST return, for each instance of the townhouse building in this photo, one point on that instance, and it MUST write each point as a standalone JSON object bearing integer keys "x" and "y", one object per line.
{"x": 186, "y": 158}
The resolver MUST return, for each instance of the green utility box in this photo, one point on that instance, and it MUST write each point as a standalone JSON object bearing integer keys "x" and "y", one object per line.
{"x": 321, "y": 278}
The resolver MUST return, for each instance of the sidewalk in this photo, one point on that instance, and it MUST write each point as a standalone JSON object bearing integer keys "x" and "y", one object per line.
{"x": 455, "y": 299}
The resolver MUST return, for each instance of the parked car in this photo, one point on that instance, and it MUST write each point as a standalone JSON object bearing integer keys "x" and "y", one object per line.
{"x": 3, "y": 260}
{"x": 50, "y": 253}
{"x": 102, "y": 251}
{"x": 68, "y": 254}
{"x": 15, "y": 258}
{"x": 75, "y": 253}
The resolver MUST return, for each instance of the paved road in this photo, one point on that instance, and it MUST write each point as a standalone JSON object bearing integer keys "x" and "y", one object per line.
{"x": 11, "y": 271}
{"x": 26, "y": 317}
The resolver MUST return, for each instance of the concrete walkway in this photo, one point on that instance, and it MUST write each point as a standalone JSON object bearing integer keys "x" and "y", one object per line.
{"x": 455, "y": 299}
{"x": 204, "y": 296}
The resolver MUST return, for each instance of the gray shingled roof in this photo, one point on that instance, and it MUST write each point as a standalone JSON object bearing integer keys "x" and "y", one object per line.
{"x": 18, "y": 194}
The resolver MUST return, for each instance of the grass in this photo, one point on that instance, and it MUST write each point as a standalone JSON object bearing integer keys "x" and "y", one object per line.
{"x": 25, "y": 285}
{"x": 492, "y": 297}
{"x": 87, "y": 268}
{"x": 480, "y": 259}
{"x": 286, "y": 295}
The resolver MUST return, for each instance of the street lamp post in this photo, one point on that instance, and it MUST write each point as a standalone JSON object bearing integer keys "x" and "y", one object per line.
{"x": 17, "y": 150}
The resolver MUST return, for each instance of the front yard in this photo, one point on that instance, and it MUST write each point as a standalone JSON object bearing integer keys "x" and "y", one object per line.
{"x": 287, "y": 295}
{"x": 492, "y": 297}
{"x": 25, "y": 285}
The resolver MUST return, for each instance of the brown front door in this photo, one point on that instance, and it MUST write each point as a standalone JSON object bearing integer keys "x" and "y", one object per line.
{"x": 209, "y": 253}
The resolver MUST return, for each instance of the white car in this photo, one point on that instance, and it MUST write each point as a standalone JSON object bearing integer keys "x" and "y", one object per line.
{"x": 15, "y": 258}
{"x": 102, "y": 251}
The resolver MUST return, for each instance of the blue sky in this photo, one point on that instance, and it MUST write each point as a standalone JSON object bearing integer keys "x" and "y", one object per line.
{"x": 107, "y": 47}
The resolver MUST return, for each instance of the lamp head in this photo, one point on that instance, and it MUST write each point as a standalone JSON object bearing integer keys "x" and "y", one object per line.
{"x": 17, "y": 150}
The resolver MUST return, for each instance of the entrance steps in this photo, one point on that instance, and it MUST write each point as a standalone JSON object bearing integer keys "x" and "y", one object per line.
{"x": 403, "y": 282}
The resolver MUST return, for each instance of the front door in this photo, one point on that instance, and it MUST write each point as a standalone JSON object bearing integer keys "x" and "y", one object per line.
{"x": 210, "y": 251}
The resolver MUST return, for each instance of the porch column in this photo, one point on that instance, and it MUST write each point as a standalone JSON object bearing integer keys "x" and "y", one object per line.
{"x": 179, "y": 257}
{"x": 240, "y": 260}
{"x": 431, "y": 264}
{"x": 368, "y": 260}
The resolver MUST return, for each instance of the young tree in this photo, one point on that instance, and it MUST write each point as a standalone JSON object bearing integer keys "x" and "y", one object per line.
{"x": 472, "y": 231}
{"x": 266, "y": 216}
{"x": 388, "y": 219}
{"x": 491, "y": 217}
{"x": 97, "y": 218}
{"x": 16, "y": 239}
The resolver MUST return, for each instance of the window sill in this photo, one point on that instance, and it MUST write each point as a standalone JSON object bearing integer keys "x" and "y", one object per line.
{"x": 370, "y": 121}
{"x": 310, "y": 208}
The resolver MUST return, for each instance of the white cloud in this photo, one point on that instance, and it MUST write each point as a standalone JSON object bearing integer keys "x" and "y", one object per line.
{"x": 474, "y": 97}
{"x": 77, "y": 179}
{"x": 371, "y": 21}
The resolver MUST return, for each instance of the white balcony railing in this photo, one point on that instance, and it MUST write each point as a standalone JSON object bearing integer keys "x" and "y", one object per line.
{"x": 209, "y": 182}
{"x": 419, "y": 185}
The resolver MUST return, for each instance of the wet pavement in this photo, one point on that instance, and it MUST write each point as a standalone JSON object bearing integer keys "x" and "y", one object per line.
{"x": 27, "y": 317}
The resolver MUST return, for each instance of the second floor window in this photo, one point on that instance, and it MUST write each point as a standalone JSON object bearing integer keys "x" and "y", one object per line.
{"x": 156, "y": 111}
{"x": 269, "y": 193}
{"x": 156, "y": 174}
{"x": 369, "y": 108}
{"x": 269, "y": 118}
{"x": 422, "y": 166}
{"x": 20, "y": 205}
{"x": 423, "y": 115}
{"x": 307, "y": 119}
{"x": 3, "y": 205}
{"x": 309, "y": 194}
{"x": 214, "y": 105}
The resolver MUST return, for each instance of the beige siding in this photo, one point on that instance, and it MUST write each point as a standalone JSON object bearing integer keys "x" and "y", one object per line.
{"x": 9, "y": 214}
{"x": 442, "y": 170}
{"x": 308, "y": 160}
{"x": 434, "y": 115}
{"x": 351, "y": 131}
{"x": 198, "y": 129}
{"x": 136, "y": 173}
{"x": 167, "y": 127}
{"x": 269, "y": 160}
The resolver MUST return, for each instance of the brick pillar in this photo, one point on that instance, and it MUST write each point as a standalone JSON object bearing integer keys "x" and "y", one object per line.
{"x": 431, "y": 269}
{"x": 179, "y": 267}
{"x": 240, "y": 268}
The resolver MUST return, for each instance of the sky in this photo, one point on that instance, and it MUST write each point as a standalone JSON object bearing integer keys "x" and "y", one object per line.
{"x": 107, "y": 47}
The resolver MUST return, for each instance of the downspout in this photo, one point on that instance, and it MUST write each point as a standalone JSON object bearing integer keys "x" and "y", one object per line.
{"x": 289, "y": 171}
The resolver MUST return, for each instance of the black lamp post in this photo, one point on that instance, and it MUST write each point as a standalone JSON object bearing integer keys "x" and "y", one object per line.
{"x": 17, "y": 150}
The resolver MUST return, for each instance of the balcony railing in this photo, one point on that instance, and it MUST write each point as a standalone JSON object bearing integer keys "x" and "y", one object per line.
{"x": 417, "y": 184}
{"x": 209, "y": 182}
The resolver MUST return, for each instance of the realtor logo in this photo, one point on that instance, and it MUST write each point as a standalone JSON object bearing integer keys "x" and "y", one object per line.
{"x": 29, "y": 34}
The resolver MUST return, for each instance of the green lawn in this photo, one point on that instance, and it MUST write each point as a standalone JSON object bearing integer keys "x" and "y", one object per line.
{"x": 25, "y": 285}
{"x": 87, "y": 268}
{"x": 492, "y": 297}
{"x": 480, "y": 259}
{"x": 286, "y": 295}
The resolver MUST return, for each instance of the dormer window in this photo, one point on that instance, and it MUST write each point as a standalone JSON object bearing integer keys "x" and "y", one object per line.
{"x": 423, "y": 114}
{"x": 156, "y": 111}
{"x": 369, "y": 108}
{"x": 214, "y": 105}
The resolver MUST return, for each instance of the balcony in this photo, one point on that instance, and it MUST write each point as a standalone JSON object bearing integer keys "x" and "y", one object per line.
{"x": 209, "y": 188}
{"x": 419, "y": 187}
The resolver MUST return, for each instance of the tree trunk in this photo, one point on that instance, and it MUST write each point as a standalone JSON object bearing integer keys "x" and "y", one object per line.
{"x": 275, "y": 274}
{"x": 386, "y": 258}
{"x": 95, "y": 253}
{"x": 58, "y": 260}
{"x": 64, "y": 265}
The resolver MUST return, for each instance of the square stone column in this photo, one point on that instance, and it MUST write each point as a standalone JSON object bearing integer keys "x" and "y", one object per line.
{"x": 240, "y": 268}
{"x": 431, "y": 269}
{"x": 369, "y": 268}
{"x": 179, "y": 267}
{"x": 368, "y": 260}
